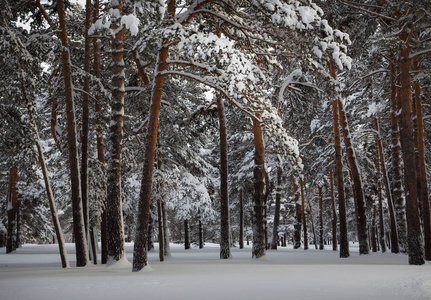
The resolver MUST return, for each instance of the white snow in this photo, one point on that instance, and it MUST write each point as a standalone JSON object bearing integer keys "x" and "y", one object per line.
{"x": 34, "y": 272}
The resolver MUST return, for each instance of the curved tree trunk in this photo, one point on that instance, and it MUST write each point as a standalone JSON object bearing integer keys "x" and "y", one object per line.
{"x": 259, "y": 247}
{"x": 224, "y": 192}
{"x": 344, "y": 241}
{"x": 78, "y": 217}
{"x": 414, "y": 230}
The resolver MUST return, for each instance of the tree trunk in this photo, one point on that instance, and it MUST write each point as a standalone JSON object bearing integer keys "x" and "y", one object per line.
{"x": 78, "y": 217}
{"x": 304, "y": 217}
{"x": 241, "y": 219}
{"x": 380, "y": 201}
{"x": 414, "y": 230}
{"x": 334, "y": 214}
{"x": 186, "y": 235}
{"x": 201, "y": 234}
{"x": 321, "y": 245}
{"x": 259, "y": 246}
{"x": 358, "y": 189}
{"x": 12, "y": 198}
{"x": 313, "y": 229}
{"x": 167, "y": 248}
{"x": 374, "y": 228}
{"x": 277, "y": 210}
{"x": 298, "y": 216}
{"x": 421, "y": 166}
{"x": 140, "y": 251}
{"x": 115, "y": 226}
{"x": 161, "y": 235}
{"x": 344, "y": 241}
{"x": 393, "y": 221}
{"x": 224, "y": 192}
{"x": 18, "y": 225}
{"x": 93, "y": 240}
{"x": 397, "y": 190}
{"x": 85, "y": 119}
{"x": 151, "y": 222}
{"x": 57, "y": 227}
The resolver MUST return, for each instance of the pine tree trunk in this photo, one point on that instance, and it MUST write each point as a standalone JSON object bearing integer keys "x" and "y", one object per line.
{"x": 161, "y": 235}
{"x": 18, "y": 225}
{"x": 358, "y": 188}
{"x": 380, "y": 202}
{"x": 313, "y": 229}
{"x": 304, "y": 217}
{"x": 150, "y": 235}
{"x": 397, "y": 190}
{"x": 421, "y": 166}
{"x": 167, "y": 248}
{"x": 12, "y": 198}
{"x": 93, "y": 243}
{"x": 393, "y": 221}
{"x": 241, "y": 219}
{"x": 259, "y": 246}
{"x": 224, "y": 192}
{"x": 78, "y": 216}
{"x": 414, "y": 230}
{"x": 344, "y": 241}
{"x": 186, "y": 235}
{"x": 374, "y": 228}
{"x": 140, "y": 259}
{"x": 298, "y": 216}
{"x": 321, "y": 244}
{"x": 334, "y": 214}
{"x": 57, "y": 227}
{"x": 277, "y": 210}
{"x": 201, "y": 234}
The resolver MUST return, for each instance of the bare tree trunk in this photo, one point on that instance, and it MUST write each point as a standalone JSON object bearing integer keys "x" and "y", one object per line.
{"x": 12, "y": 198}
{"x": 344, "y": 241}
{"x": 140, "y": 251}
{"x": 259, "y": 246}
{"x": 161, "y": 235}
{"x": 414, "y": 230}
{"x": 334, "y": 214}
{"x": 186, "y": 234}
{"x": 321, "y": 245}
{"x": 358, "y": 188}
{"x": 277, "y": 209}
{"x": 99, "y": 131}
{"x": 224, "y": 192}
{"x": 57, "y": 227}
{"x": 241, "y": 219}
{"x": 201, "y": 234}
{"x": 421, "y": 166}
{"x": 397, "y": 190}
{"x": 393, "y": 221}
{"x": 304, "y": 217}
{"x": 78, "y": 217}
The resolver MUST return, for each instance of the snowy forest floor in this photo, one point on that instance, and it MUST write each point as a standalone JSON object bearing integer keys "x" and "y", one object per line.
{"x": 34, "y": 272}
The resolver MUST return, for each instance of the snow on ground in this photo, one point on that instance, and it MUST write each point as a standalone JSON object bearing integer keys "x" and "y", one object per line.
{"x": 34, "y": 272}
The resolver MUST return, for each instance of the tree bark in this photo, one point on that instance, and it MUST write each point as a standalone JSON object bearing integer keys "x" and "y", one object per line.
{"x": 304, "y": 217}
{"x": 78, "y": 217}
{"x": 358, "y": 188}
{"x": 140, "y": 251}
{"x": 259, "y": 246}
{"x": 344, "y": 241}
{"x": 421, "y": 166}
{"x": 57, "y": 227}
{"x": 388, "y": 191}
{"x": 277, "y": 209}
{"x": 224, "y": 188}
{"x": 414, "y": 230}
{"x": 334, "y": 214}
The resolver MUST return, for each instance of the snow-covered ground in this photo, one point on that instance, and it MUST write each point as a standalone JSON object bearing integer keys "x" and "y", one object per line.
{"x": 34, "y": 272}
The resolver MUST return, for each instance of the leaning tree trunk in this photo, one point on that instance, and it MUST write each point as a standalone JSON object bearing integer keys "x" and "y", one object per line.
{"x": 277, "y": 209}
{"x": 85, "y": 119}
{"x": 298, "y": 216}
{"x": 397, "y": 190}
{"x": 334, "y": 214}
{"x": 140, "y": 251}
{"x": 77, "y": 211}
{"x": 393, "y": 221}
{"x": 344, "y": 241}
{"x": 421, "y": 166}
{"x": 414, "y": 230}
{"x": 358, "y": 188}
{"x": 114, "y": 210}
{"x": 12, "y": 198}
{"x": 99, "y": 132}
{"x": 224, "y": 188}
{"x": 259, "y": 247}
{"x": 304, "y": 217}
{"x": 57, "y": 227}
